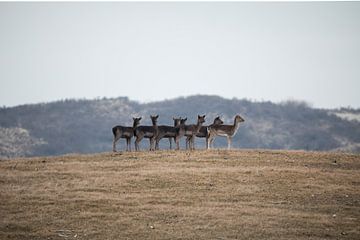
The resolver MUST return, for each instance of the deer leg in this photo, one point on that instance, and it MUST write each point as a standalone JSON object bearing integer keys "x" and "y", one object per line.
{"x": 177, "y": 140}
{"x": 188, "y": 143}
{"x": 114, "y": 142}
{"x": 212, "y": 141}
{"x": 128, "y": 143}
{"x": 157, "y": 144}
{"x": 152, "y": 143}
{"x": 193, "y": 142}
{"x": 208, "y": 140}
{"x": 170, "y": 142}
{"x": 138, "y": 139}
{"x": 229, "y": 142}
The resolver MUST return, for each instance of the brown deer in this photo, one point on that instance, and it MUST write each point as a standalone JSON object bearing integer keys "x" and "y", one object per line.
{"x": 167, "y": 132}
{"x": 147, "y": 132}
{"x": 125, "y": 132}
{"x": 203, "y": 132}
{"x": 190, "y": 131}
{"x": 224, "y": 130}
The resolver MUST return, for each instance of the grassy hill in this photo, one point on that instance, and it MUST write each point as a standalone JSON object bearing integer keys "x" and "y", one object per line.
{"x": 84, "y": 126}
{"x": 218, "y": 194}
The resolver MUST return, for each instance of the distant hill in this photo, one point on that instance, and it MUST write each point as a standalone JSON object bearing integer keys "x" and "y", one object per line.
{"x": 84, "y": 126}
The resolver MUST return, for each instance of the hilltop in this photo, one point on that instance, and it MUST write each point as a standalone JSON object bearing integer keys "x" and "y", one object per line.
{"x": 248, "y": 194}
{"x": 84, "y": 126}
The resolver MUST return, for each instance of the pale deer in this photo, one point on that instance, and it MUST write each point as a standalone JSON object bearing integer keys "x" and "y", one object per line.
{"x": 125, "y": 132}
{"x": 167, "y": 132}
{"x": 227, "y": 131}
{"x": 203, "y": 132}
{"x": 147, "y": 132}
{"x": 192, "y": 130}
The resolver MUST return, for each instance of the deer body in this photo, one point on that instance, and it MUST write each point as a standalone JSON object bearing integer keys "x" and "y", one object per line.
{"x": 203, "y": 132}
{"x": 227, "y": 131}
{"x": 150, "y": 132}
{"x": 167, "y": 132}
{"x": 190, "y": 131}
{"x": 180, "y": 132}
{"x": 125, "y": 132}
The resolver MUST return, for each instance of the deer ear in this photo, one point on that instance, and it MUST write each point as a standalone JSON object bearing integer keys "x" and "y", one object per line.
{"x": 157, "y": 116}
{"x": 140, "y": 118}
{"x": 185, "y": 119}
{"x": 204, "y": 116}
{"x": 133, "y": 119}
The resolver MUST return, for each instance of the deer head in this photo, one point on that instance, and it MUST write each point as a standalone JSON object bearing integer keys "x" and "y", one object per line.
{"x": 182, "y": 121}
{"x": 239, "y": 119}
{"x": 176, "y": 121}
{"x": 201, "y": 119}
{"x": 136, "y": 122}
{"x": 154, "y": 119}
{"x": 218, "y": 121}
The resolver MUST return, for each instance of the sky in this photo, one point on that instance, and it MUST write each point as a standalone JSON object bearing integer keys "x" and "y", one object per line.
{"x": 308, "y": 51}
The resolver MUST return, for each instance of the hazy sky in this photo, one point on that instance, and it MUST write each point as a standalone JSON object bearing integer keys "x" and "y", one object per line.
{"x": 154, "y": 51}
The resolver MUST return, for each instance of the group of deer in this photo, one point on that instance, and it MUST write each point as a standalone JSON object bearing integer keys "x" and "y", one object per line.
{"x": 155, "y": 133}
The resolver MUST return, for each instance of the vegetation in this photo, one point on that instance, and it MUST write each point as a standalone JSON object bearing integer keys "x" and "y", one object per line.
{"x": 217, "y": 194}
{"x": 84, "y": 126}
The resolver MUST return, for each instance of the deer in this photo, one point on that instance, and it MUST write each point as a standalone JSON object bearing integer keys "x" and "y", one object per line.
{"x": 203, "y": 132}
{"x": 150, "y": 132}
{"x": 190, "y": 131}
{"x": 180, "y": 132}
{"x": 125, "y": 132}
{"x": 227, "y": 131}
{"x": 167, "y": 132}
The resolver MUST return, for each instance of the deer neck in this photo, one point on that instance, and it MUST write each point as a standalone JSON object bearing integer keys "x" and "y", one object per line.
{"x": 236, "y": 125}
{"x": 198, "y": 126}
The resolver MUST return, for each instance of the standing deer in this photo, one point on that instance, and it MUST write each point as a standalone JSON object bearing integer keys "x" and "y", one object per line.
{"x": 224, "y": 130}
{"x": 167, "y": 132}
{"x": 191, "y": 130}
{"x": 203, "y": 132}
{"x": 125, "y": 132}
{"x": 180, "y": 132}
{"x": 150, "y": 132}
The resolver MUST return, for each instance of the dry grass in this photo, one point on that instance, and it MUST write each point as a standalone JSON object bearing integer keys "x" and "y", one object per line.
{"x": 182, "y": 195}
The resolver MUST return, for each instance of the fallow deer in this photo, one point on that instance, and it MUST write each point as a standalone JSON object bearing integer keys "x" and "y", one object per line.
{"x": 167, "y": 132}
{"x": 125, "y": 132}
{"x": 203, "y": 132}
{"x": 224, "y": 130}
{"x": 192, "y": 130}
{"x": 147, "y": 132}
{"x": 180, "y": 132}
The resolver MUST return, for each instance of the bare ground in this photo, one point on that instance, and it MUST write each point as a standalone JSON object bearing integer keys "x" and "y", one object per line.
{"x": 218, "y": 194}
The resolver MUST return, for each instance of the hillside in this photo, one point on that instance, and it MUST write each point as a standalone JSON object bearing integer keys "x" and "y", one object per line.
{"x": 248, "y": 194}
{"x": 84, "y": 126}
